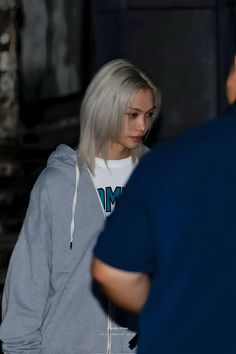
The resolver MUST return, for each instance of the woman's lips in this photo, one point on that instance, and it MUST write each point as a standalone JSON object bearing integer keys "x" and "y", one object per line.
{"x": 137, "y": 138}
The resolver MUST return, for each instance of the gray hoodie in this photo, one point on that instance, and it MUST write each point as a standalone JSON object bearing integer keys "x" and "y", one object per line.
{"x": 48, "y": 304}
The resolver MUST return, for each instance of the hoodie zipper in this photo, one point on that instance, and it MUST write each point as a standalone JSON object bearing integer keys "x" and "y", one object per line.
{"x": 109, "y": 323}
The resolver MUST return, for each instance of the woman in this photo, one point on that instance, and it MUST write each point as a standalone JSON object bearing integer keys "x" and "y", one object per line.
{"x": 48, "y": 304}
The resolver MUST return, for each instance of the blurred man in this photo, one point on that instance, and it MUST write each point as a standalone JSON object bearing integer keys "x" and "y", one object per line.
{"x": 169, "y": 249}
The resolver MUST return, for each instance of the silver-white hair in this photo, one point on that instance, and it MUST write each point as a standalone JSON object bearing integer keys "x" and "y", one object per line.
{"x": 104, "y": 105}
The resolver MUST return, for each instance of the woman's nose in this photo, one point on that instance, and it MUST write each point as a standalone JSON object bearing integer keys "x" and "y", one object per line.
{"x": 141, "y": 123}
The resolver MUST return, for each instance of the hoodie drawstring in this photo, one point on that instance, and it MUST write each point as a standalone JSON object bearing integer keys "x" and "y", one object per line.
{"x": 72, "y": 225}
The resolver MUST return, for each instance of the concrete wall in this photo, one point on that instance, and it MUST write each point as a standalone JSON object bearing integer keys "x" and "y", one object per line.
{"x": 50, "y": 48}
{"x": 8, "y": 69}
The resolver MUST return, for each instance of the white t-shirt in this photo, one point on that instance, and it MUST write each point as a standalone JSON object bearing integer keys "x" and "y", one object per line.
{"x": 110, "y": 177}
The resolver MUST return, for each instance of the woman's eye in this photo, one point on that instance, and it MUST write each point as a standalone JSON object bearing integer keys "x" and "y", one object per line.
{"x": 150, "y": 114}
{"x": 132, "y": 115}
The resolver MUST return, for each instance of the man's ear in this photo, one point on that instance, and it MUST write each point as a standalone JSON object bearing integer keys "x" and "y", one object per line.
{"x": 231, "y": 83}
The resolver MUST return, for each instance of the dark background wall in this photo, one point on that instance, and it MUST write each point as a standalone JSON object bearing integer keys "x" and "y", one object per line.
{"x": 184, "y": 44}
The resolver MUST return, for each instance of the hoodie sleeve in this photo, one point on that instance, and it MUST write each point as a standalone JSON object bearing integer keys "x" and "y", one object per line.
{"x": 28, "y": 278}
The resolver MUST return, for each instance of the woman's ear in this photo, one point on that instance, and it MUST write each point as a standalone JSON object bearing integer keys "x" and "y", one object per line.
{"x": 231, "y": 83}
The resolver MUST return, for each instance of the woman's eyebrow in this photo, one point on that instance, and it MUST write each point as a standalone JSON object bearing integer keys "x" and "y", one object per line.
{"x": 138, "y": 109}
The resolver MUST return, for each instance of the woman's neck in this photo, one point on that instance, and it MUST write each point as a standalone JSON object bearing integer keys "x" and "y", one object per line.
{"x": 116, "y": 151}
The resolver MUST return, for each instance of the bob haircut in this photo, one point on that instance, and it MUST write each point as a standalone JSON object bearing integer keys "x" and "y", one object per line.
{"x": 104, "y": 106}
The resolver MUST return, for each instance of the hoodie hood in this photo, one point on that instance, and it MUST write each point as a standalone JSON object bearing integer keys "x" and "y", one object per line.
{"x": 63, "y": 157}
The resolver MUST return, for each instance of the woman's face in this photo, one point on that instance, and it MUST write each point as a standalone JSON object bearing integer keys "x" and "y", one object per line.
{"x": 135, "y": 125}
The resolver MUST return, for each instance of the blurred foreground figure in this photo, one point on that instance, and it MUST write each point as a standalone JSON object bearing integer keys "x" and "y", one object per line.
{"x": 169, "y": 249}
{"x": 48, "y": 304}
